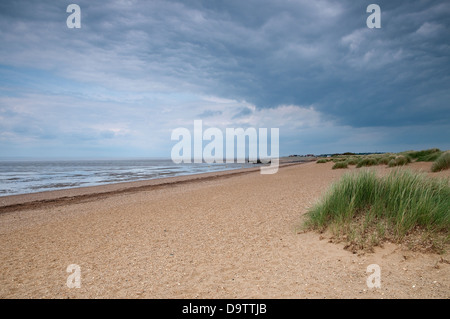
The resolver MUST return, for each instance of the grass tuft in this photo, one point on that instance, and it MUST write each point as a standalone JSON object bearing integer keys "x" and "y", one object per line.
{"x": 399, "y": 161}
{"x": 366, "y": 210}
{"x": 384, "y": 160}
{"x": 429, "y": 155}
{"x": 367, "y": 161}
{"x": 343, "y": 164}
{"x": 390, "y": 159}
{"x": 442, "y": 162}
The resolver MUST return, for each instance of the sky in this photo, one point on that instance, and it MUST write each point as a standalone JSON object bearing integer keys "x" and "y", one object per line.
{"x": 136, "y": 70}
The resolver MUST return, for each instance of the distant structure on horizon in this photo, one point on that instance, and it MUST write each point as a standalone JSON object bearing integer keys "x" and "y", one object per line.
{"x": 307, "y": 155}
{"x": 348, "y": 153}
{"x": 335, "y": 154}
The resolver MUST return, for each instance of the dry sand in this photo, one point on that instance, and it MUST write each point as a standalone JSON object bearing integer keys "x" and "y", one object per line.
{"x": 224, "y": 236}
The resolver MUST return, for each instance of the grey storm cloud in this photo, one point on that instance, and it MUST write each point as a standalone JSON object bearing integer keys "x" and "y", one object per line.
{"x": 209, "y": 113}
{"x": 267, "y": 53}
{"x": 242, "y": 113}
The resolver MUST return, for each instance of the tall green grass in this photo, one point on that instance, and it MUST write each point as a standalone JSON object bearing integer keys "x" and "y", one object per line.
{"x": 390, "y": 159}
{"x": 367, "y": 161}
{"x": 385, "y": 159}
{"x": 399, "y": 161}
{"x": 365, "y": 209}
{"x": 341, "y": 164}
{"x": 441, "y": 163}
{"x": 352, "y": 161}
{"x": 428, "y": 155}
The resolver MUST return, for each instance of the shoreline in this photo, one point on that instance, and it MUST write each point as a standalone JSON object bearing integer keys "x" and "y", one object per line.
{"x": 11, "y": 203}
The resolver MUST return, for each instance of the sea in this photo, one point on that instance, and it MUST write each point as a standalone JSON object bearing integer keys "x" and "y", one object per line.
{"x": 31, "y": 176}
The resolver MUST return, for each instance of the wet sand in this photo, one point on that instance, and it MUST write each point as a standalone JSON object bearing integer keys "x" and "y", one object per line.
{"x": 222, "y": 235}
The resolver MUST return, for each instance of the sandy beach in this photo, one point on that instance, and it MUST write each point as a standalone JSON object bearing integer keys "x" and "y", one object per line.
{"x": 218, "y": 235}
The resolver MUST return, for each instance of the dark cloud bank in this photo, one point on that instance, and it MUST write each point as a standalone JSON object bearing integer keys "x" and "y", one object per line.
{"x": 267, "y": 53}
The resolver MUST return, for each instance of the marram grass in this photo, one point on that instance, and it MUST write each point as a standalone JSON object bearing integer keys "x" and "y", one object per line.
{"x": 428, "y": 155}
{"x": 399, "y": 161}
{"x": 441, "y": 163}
{"x": 342, "y": 164}
{"x": 367, "y": 161}
{"x": 440, "y": 159}
{"x": 365, "y": 209}
{"x": 352, "y": 161}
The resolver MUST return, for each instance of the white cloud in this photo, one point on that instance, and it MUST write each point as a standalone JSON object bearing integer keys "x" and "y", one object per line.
{"x": 429, "y": 29}
{"x": 355, "y": 39}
